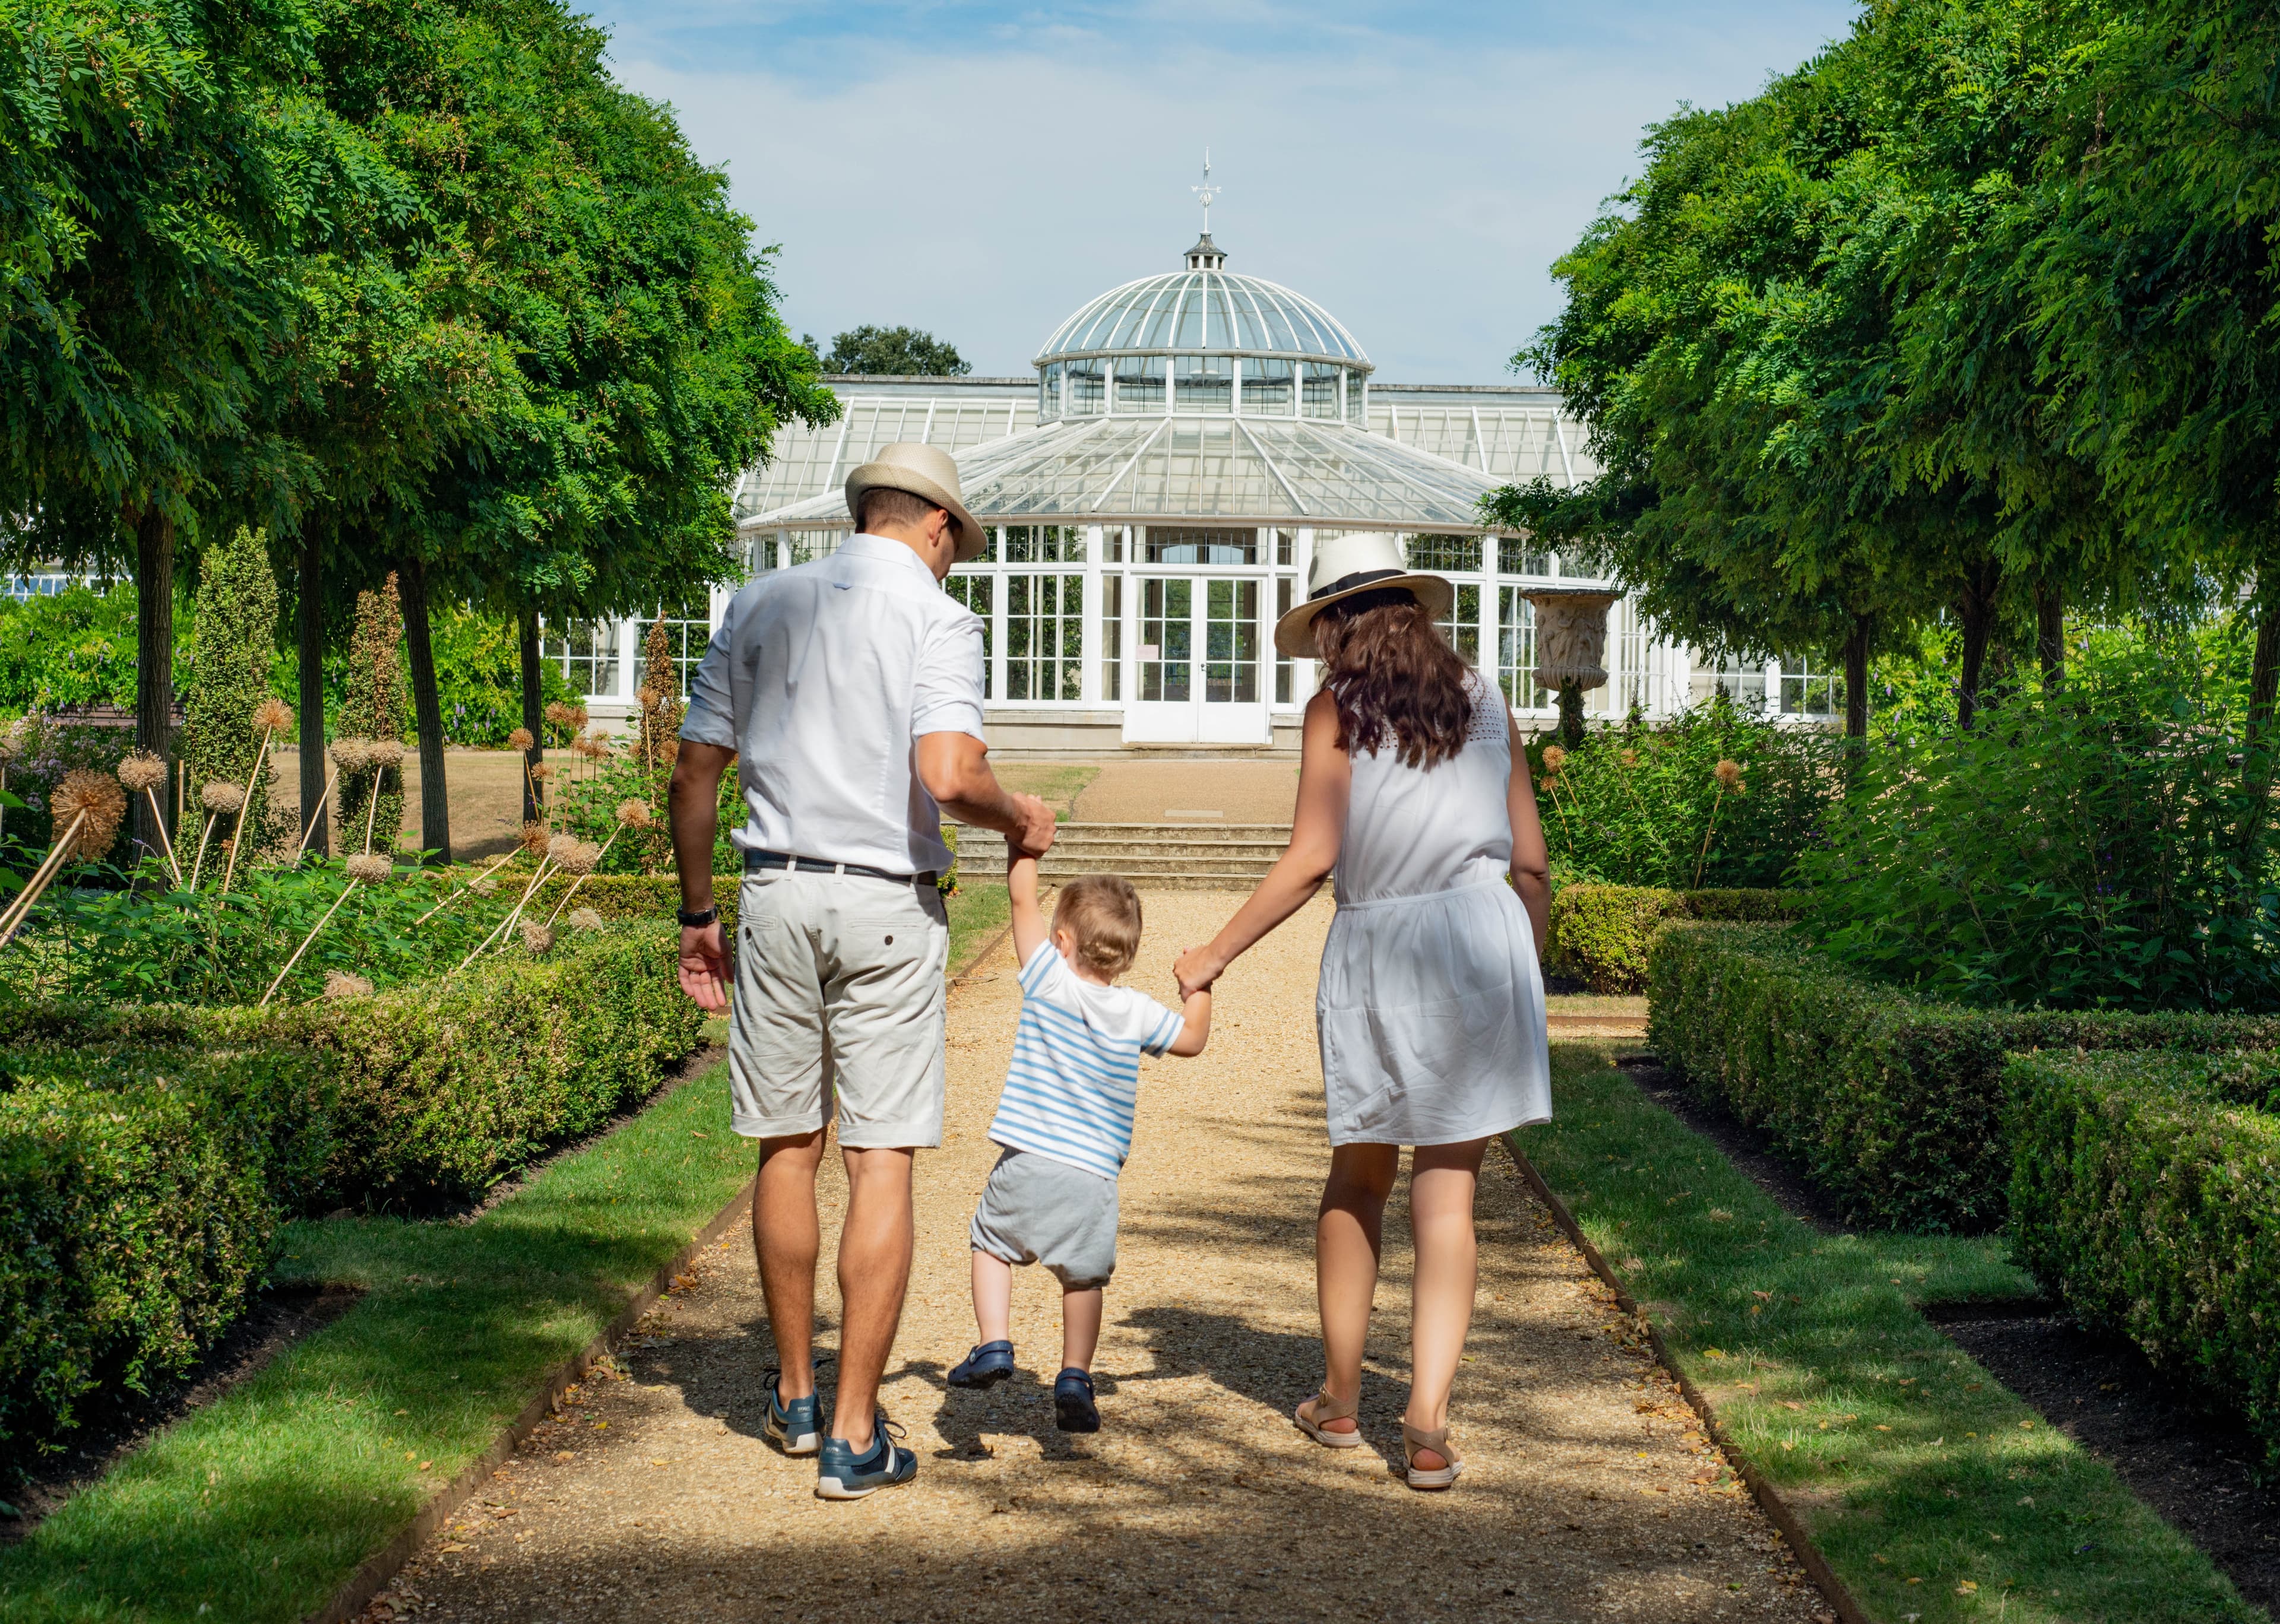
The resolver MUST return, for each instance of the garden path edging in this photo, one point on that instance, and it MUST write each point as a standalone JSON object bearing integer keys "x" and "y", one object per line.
{"x": 373, "y": 1575}
{"x": 1777, "y": 1510}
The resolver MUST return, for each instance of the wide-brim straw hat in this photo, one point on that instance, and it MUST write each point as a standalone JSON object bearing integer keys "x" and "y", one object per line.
{"x": 927, "y": 471}
{"x": 1357, "y": 561}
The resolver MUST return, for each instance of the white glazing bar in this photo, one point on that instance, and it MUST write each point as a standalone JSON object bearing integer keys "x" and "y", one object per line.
{"x": 1560, "y": 438}
{"x": 1089, "y": 681}
{"x": 1491, "y": 613}
{"x": 1302, "y": 556}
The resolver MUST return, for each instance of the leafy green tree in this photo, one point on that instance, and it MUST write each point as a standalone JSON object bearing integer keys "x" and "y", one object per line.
{"x": 236, "y": 640}
{"x": 899, "y": 351}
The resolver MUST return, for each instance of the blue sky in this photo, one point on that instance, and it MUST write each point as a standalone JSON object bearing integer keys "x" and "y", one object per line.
{"x": 982, "y": 170}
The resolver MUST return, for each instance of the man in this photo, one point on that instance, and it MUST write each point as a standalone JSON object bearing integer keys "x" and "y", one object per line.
{"x": 850, "y": 688}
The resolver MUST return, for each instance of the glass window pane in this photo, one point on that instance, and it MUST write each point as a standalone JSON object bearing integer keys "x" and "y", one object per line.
{"x": 688, "y": 628}
{"x": 1357, "y": 400}
{"x": 806, "y": 546}
{"x": 1232, "y": 642}
{"x": 1807, "y": 692}
{"x": 1446, "y": 554}
{"x": 1203, "y": 383}
{"x": 1140, "y": 383}
{"x": 975, "y": 591}
{"x": 1167, "y": 633}
{"x": 1044, "y": 630}
{"x": 1112, "y": 636}
{"x": 1267, "y": 387}
{"x": 1286, "y": 547}
{"x": 1740, "y": 677}
{"x": 1283, "y": 664}
{"x": 1043, "y": 544}
{"x": 1462, "y": 624}
{"x": 1088, "y": 387}
{"x": 586, "y": 651}
{"x": 1178, "y": 544}
{"x": 1049, "y": 392}
{"x": 1319, "y": 386}
{"x": 1516, "y": 652}
{"x": 1517, "y": 555}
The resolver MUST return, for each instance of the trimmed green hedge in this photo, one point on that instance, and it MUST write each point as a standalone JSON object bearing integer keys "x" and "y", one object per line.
{"x": 1893, "y": 1103}
{"x": 1600, "y": 934}
{"x": 149, "y": 1154}
{"x": 139, "y": 1192}
{"x": 2146, "y": 1190}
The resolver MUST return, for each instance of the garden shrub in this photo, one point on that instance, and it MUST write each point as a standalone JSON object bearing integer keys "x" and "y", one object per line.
{"x": 141, "y": 1189}
{"x": 1890, "y": 1102}
{"x": 236, "y": 621}
{"x": 376, "y": 704}
{"x": 1633, "y": 805}
{"x": 2103, "y": 845}
{"x": 2146, "y": 1188}
{"x": 1600, "y": 933}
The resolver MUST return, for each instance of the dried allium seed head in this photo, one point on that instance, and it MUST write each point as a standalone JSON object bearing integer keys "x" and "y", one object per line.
{"x": 272, "y": 715}
{"x": 221, "y": 799}
{"x": 1729, "y": 774}
{"x": 384, "y": 754}
{"x": 668, "y": 748}
{"x": 558, "y": 714}
{"x": 369, "y": 868}
{"x": 648, "y": 697}
{"x": 533, "y": 838}
{"x": 342, "y": 984}
{"x": 1554, "y": 758}
{"x": 578, "y": 717}
{"x": 520, "y": 739}
{"x": 561, "y": 847}
{"x": 537, "y": 938}
{"x": 583, "y": 857}
{"x": 485, "y": 886}
{"x": 541, "y": 772}
{"x": 141, "y": 773}
{"x": 97, "y": 795}
{"x": 635, "y": 814}
{"x": 351, "y": 754}
{"x": 585, "y": 918}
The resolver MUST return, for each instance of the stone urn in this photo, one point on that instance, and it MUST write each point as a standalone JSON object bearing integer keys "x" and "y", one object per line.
{"x": 1571, "y": 648}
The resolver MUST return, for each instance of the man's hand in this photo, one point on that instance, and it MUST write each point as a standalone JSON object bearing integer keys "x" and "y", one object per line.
{"x": 1034, "y": 827}
{"x": 704, "y": 968}
{"x": 955, "y": 769}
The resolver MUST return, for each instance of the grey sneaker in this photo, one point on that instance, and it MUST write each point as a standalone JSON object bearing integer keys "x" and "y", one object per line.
{"x": 842, "y": 1475}
{"x": 792, "y": 1421}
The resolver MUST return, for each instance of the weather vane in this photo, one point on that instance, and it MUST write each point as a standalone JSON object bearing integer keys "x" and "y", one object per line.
{"x": 1206, "y": 192}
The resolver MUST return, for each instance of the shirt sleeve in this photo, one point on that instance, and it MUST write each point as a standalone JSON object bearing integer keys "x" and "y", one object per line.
{"x": 712, "y": 715}
{"x": 946, "y": 689}
{"x": 1166, "y": 1031}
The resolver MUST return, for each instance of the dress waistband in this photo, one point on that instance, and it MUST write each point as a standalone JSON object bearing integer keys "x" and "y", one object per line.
{"x": 1392, "y": 902}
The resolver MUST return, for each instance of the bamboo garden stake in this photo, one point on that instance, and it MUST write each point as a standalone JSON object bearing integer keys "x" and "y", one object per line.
{"x": 364, "y": 869}
{"x": 271, "y": 716}
{"x": 144, "y": 772}
{"x": 95, "y": 802}
{"x": 1729, "y": 774}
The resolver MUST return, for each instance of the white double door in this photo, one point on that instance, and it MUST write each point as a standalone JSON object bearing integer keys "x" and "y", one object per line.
{"x": 1199, "y": 660}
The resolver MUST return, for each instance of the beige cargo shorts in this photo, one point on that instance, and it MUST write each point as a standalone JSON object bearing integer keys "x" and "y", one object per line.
{"x": 838, "y": 1004}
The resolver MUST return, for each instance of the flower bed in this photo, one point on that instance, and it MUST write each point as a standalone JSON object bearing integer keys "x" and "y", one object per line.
{"x": 149, "y": 1153}
{"x": 2146, "y": 1187}
{"x": 1600, "y": 934}
{"x": 1893, "y": 1104}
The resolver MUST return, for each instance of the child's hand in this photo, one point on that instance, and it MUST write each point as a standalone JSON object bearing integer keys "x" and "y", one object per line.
{"x": 1197, "y": 970}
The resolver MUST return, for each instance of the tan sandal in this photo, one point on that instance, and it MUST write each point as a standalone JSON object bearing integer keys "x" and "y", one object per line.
{"x": 1328, "y": 1409}
{"x": 1413, "y": 1439}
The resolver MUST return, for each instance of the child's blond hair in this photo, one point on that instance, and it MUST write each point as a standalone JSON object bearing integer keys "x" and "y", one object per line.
{"x": 1104, "y": 912}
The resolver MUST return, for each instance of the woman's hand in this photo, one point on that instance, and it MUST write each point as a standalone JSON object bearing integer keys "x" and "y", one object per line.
{"x": 1196, "y": 968}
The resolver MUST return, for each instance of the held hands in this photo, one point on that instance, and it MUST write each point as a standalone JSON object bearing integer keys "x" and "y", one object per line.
{"x": 704, "y": 968}
{"x": 1196, "y": 968}
{"x": 1033, "y": 831}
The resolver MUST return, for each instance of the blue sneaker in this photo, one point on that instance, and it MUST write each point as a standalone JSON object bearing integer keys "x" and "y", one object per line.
{"x": 792, "y": 1421}
{"x": 987, "y": 1365}
{"x": 842, "y": 1475}
{"x": 1073, "y": 1410}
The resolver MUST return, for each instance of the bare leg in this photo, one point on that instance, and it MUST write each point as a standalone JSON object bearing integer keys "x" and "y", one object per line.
{"x": 1442, "y": 1181}
{"x": 1080, "y": 1328}
{"x": 993, "y": 1297}
{"x": 786, "y": 1239}
{"x": 1347, "y": 1241}
{"x": 875, "y": 1268}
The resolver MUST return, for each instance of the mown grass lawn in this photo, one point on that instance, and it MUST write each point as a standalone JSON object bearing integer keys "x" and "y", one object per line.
{"x": 1935, "y": 1493}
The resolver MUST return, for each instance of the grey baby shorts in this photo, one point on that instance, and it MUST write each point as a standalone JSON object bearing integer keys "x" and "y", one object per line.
{"x": 1036, "y": 1209}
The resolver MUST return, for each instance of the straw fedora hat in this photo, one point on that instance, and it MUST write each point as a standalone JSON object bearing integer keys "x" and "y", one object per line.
{"x": 927, "y": 471}
{"x": 1360, "y": 561}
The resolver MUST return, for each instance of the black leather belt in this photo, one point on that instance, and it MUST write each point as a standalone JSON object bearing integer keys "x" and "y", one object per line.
{"x": 814, "y": 865}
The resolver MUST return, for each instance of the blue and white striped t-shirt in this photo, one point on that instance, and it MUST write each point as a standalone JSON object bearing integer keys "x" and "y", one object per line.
{"x": 1076, "y": 1074}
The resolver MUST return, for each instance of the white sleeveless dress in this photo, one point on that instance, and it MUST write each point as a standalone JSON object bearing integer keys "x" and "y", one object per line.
{"x": 1431, "y": 1005}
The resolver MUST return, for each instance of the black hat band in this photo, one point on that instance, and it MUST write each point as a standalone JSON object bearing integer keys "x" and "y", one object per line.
{"x": 1347, "y": 583}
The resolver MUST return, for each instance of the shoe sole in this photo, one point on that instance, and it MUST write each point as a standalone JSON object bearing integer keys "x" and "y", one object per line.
{"x": 1071, "y": 1417}
{"x": 833, "y": 1488}
{"x": 987, "y": 1378}
{"x": 808, "y": 1443}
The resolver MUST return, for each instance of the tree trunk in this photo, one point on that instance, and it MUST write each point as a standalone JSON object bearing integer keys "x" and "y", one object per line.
{"x": 310, "y": 624}
{"x": 154, "y": 657}
{"x": 2050, "y": 635}
{"x": 1976, "y": 608}
{"x": 1571, "y": 714}
{"x": 534, "y": 715}
{"x": 2264, "y": 667}
{"x": 427, "y": 712}
{"x": 1856, "y": 680}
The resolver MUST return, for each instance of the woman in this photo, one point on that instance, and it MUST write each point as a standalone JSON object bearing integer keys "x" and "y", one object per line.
{"x": 1412, "y": 790}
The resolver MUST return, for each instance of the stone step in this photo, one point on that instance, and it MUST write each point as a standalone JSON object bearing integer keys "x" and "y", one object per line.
{"x": 1057, "y": 864}
{"x": 1183, "y": 856}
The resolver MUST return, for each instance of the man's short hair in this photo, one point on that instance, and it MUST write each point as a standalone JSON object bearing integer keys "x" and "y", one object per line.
{"x": 884, "y": 505}
{"x": 1104, "y": 911}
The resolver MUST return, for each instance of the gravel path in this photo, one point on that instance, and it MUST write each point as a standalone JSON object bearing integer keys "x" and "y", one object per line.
{"x": 1589, "y": 1493}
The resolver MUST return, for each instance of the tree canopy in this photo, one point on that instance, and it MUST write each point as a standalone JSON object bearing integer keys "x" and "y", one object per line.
{"x": 895, "y": 352}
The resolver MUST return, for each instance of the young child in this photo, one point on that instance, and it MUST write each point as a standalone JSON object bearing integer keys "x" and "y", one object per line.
{"x": 1064, "y": 1121}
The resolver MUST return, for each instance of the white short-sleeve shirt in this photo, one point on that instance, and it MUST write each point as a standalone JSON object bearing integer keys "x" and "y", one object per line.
{"x": 822, "y": 678}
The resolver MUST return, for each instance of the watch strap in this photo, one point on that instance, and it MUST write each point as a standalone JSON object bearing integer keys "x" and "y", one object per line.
{"x": 698, "y": 922}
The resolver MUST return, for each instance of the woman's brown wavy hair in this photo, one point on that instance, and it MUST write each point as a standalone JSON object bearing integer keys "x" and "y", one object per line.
{"x": 1392, "y": 675}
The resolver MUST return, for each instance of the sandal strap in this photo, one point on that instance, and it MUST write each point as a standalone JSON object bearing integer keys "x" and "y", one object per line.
{"x": 1329, "y": 1409}
{"x": 1414, "y": 1438}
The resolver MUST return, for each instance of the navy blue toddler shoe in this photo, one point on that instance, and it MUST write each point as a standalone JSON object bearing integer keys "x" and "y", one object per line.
{"x": 792, "y": 1421}
{"x": 989, "y": 1363}
{"x": 842, "y": 1474}
{"x": 1073, "y": 1410}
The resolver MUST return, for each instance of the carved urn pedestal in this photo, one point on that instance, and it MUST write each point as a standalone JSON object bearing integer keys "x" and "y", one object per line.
{"x": 1571, "y": 648}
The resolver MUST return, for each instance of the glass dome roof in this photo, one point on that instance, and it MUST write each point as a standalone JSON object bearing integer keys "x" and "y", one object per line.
{"x": 1203, "y": 308}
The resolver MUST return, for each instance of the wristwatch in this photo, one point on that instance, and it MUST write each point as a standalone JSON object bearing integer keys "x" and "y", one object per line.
{"x": 698, "y": 922}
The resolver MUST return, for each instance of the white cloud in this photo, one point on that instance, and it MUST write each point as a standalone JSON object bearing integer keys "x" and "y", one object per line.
{"x": 1418, "y": 187}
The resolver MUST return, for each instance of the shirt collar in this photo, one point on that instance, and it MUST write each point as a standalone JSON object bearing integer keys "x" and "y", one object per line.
{"x": 863, "y": 545}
